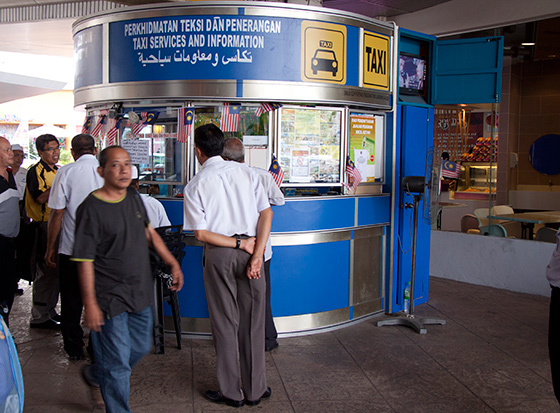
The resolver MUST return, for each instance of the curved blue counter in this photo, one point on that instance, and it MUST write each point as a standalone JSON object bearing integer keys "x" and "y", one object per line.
{"x": 327, "y": 265}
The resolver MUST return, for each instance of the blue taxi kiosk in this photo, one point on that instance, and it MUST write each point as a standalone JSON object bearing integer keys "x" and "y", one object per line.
{"x": 332, "y": 81}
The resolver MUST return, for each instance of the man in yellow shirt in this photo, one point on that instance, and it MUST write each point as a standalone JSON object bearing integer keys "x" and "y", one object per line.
{"x": 39, "y": 180}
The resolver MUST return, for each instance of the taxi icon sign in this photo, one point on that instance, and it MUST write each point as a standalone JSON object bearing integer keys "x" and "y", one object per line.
{"x": 323, "y": 52}
{"x": 325, "y": 61}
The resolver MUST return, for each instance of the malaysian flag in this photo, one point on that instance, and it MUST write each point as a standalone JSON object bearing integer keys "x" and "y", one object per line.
{"x": 137, "y": 127}
{"x": 450, "y": 169}
{"x": 102, "y": 121}
{"x": 267, "y": 107}
{"x": 185, "y": 119}
{"x": 353, "y": 172}
{"x": 87, "y": 124}
{"x": 152, "y": 117}
{"x": 276, "y": 171}
{"x": 113, "y": 130}
{"x": 230, "y": 118}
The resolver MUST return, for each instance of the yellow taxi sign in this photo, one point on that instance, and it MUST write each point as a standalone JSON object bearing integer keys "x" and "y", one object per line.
{"x": 376, "y": 58}
{"x": 323, "y": 52}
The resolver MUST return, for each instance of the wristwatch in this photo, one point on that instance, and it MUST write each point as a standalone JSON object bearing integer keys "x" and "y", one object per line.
{"x": 237, "y": 242}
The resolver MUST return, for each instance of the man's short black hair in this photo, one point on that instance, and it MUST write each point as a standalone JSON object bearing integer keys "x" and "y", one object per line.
{"x": 83, "y": 144}
{"x": 43, "y": 140}
{"x": 209, "y": 139}
{"x": 105, "y": 154}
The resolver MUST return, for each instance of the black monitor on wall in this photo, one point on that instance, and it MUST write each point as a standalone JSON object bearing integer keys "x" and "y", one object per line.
{"x": 412, "y": 75}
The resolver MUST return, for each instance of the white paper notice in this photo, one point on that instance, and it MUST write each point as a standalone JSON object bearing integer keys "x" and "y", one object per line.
{"x": 362, "y": 156}
{"x": 139, "y": 150}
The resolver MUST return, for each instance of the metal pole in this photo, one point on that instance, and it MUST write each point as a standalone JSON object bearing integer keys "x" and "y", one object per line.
{"x": 417, "y": 199}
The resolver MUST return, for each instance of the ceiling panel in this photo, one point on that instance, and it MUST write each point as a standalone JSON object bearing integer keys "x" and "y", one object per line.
{"x": 381, "y": 8}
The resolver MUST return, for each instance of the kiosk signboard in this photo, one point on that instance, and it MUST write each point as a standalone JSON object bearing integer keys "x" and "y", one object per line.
{"x": 244, "y": 52}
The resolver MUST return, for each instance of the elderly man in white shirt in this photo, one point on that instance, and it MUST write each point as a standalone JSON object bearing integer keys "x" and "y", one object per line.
{"x": 71, "y": 185}
{"x": 234, "y": 150}
{"x": 154, "y": 208}
{"x": 20, "y": 173}
{"x": 226, "y": 207}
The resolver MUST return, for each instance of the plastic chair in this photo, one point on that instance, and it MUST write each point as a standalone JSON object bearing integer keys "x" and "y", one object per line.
{"x": 514, "y": 229}
{"x": 501, "y": 210}
{"x": 494, "y": 230}
{"x": 546, "y": 234}
{"x": 469, "y": 224}
{"x": 482, "y": 215}
{"x": 172, "y": 236}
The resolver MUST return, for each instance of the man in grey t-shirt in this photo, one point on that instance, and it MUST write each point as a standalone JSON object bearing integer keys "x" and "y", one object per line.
{"x": 111, "y": 248}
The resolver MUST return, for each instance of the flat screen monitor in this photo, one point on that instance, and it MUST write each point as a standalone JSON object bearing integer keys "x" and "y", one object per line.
{"x": 412, "y": 74}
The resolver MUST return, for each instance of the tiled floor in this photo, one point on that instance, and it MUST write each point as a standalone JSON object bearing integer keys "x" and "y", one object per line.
{"x": 490, "y": 357}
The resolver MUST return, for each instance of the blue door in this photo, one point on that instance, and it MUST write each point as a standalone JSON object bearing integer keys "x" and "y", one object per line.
{"x": 467, "y": 71}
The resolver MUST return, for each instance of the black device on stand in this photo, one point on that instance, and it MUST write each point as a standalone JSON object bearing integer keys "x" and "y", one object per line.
{"x": 413, "y": 186}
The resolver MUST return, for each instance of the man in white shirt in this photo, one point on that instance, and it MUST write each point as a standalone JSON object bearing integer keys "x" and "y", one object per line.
{"x": 24, "y": 240}
{"x": 235, "y": 151}
{"x": 154, "y": 208}
{"x": 226, "y": 208}
{"x": 72, "y": 184}
{"x": 20, "y": 173}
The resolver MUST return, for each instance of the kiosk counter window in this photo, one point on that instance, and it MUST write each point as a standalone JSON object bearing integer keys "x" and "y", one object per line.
{"x": 309, "y": 145}
{"x": 248, "y": 126}
{"x": 154, "y": 148}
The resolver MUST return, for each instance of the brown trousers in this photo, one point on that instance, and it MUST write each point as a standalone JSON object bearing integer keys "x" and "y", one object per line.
{"x": 237, "y": 314}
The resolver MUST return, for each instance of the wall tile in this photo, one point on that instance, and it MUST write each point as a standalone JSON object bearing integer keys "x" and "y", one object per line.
{"x": 528, "y": 178}
{"x": 530, "y": 105}
{"x": 550, "y": 105}
{"x": 531, "y": 69}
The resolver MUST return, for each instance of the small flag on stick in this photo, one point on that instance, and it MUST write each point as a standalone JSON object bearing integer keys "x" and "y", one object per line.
{"x": 230, "y": 118}
{"x": 267, "y": 107}
{"x": 450, "y": 169}
{"x": 137, "y": 127}
{"x": 276, "y": 171}
{"x": 353, "y": 173}
{"x": 185, "y": 119}
{"x": 87, "y": 124}
{"x": 102, "y": 121}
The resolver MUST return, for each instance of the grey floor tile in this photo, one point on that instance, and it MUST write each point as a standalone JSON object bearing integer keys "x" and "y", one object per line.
{"x": 46, "y": 389}
{"x": 328, "y": 385}
{"x": 359, "y": 406}
{"x": 314, "y": 358}
{"x": 72, "y": 408}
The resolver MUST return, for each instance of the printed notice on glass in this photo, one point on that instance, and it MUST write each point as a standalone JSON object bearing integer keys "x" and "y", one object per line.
{"x": 299, "y": 165}
{"x": 366, "y": 145}
{"x": 139, "y": 150}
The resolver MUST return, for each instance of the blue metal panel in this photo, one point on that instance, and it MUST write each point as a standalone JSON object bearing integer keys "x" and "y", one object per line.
{"x": 310, "y": 278}
{"x": 174, "y": 209}
{"x": 374, "y": 210}
{"x": 468, "y": 70}
{"x": 416, "y": 124}
{"x": 312, "y": 215}
{"x": 192, "y": 297}
{"x": 352, "y": 56}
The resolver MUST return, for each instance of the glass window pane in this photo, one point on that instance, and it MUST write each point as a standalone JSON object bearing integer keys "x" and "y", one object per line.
{"x": 309, "y": 145}
{"x": 160, "y": 159}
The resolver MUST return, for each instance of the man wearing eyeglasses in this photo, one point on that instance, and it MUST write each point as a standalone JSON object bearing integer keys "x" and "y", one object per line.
{"x": 39, "y": 181}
